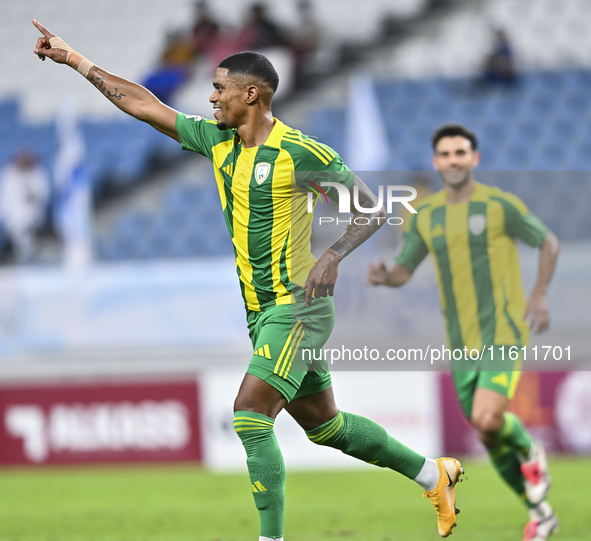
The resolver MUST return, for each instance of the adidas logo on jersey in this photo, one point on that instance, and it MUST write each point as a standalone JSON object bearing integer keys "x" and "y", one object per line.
{"x": 264, "y": 351}
{"x": 229, "y": 169}
{"x": 501, "y": 379}
{"x": 438, "y": 231}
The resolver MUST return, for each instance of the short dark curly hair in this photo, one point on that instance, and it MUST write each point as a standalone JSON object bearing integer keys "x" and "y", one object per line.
{"x": 454, "y": 130}
{"x": 253, "y": 64}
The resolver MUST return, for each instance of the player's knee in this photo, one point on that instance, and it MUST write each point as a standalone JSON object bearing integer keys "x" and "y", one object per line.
{"x": 258, "y": 396}
{"x": 488, "y": 423}
{"x": 245, "y": 403}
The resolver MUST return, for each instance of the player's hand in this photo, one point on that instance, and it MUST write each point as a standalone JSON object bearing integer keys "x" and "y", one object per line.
{"x": 43, "y": 48}
{"x": 537, "y": 313}
{"x": 323, "y": 276}
{"x": 376, "y": 275}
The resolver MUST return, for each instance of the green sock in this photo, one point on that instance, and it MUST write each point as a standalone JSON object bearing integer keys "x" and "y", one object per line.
{"x": 515, "y": 435}
{"x": 513, "y": 440}
{"x": 507, "y": 464}
{"x": 363, "y": 439}
{"x": 265, "y": 467}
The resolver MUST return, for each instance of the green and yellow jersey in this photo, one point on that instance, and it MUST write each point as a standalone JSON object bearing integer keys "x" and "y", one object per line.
{"x": 473, "y": 247}
{"x": 265, "y": 207}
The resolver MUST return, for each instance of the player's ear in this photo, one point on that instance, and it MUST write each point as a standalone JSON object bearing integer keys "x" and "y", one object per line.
{"x": 476, "y": 159}
{"x": 252, "y": 94}
{"x": 434, "y": 161}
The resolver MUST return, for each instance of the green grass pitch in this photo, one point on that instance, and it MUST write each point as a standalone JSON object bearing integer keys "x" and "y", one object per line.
{"x": 185, "y": 503}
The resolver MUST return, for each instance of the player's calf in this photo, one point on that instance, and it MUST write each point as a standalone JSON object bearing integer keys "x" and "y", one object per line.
{"x": 361, "y": 438}
{"x": 266, "y": 469}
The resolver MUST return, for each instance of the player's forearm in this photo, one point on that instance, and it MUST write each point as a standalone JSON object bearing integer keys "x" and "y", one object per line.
{"x": 548, "y": 257}
{"x": 364, "y": 224}
{"x": 131, "y": 98}
{"x": 356, "y": 234}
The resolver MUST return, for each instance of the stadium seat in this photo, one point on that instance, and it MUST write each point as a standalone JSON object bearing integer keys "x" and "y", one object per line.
{"x": 111, "y": 249}
{"x": 9, "y": 112}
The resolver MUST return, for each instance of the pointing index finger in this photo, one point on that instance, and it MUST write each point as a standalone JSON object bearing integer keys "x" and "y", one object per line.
{"x": 43, "y": 30}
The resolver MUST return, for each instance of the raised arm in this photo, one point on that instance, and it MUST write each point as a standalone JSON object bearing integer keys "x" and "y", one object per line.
{"x": 131, "y": 98}
{"x": 537, "y": 307}
{"x": 323, "y": 276}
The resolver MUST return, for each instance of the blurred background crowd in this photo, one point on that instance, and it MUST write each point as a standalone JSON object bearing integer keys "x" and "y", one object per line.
{"x": 518, "y": 72}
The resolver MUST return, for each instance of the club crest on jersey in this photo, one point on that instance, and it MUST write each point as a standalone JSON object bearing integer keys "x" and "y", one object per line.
{"x": 477, "y": 224}
{"x": 196, "y": 118}
{"x": 262, "y": 172}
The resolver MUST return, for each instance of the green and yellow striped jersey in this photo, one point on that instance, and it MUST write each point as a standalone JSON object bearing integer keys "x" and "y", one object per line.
{"x": 265, "y": 208}
{"x": 473, "y": 247}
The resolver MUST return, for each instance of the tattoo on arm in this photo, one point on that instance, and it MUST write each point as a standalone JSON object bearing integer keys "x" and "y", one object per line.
{"x": 99, "y": 82}
{"x": 357, "y": 233}
{"x": 340, "y": 248}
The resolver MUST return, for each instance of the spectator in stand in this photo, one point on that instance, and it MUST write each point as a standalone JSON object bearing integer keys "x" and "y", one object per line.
{"x": 206, "y": 30}
{"x": 24, "y": 199}
{"x": 261, "y": 32}
{"x": 212, "y": 41}
{"x": 305, "y": 38}
{"x": 174, "y": 69}
{"x": 499, "y": 64}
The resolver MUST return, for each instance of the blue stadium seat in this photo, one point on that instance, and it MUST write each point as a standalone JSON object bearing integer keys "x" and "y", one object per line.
{"x": 112, "y": 249}
{"x": 522, "y": 132}
{"x": 440, "y": 91}
{"x": 542, "y": 83}
{"x": 552, "y": 157}
{"x": 219, "y": 243}
{"x": 134, "y": 226}
{"x": 577, "y": 82}
{"x": 9, "y": 111}
{"x": 163, "y": 145}
{"x": 516, "y": 158}
{"x": 328, "y": 125}
{"x": 579, "y": 156}
{"x": 571, "y": 108}
{"x": 492, "y": 131}
{"x": 187, "y": 246}
{"x": 502, "y": 108}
